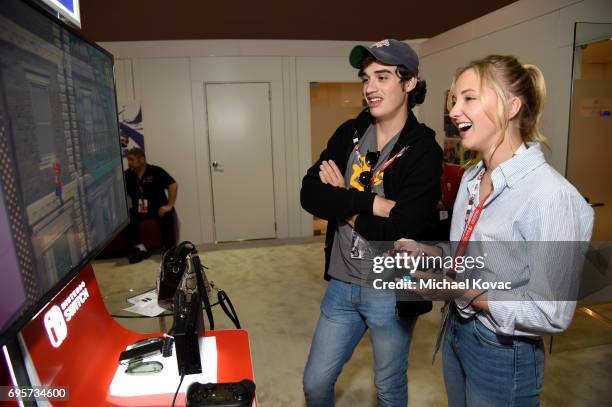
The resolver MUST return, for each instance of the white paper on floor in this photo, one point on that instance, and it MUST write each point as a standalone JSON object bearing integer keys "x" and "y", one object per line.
{"x": 147, "y": 296}
{"x": 145, "y": 304}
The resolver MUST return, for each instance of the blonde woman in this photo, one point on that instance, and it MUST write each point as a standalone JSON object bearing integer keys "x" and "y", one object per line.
{"x": 493, "y": 349}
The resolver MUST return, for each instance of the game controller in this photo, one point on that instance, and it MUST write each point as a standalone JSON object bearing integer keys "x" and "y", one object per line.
{"x": 238, "y": 394}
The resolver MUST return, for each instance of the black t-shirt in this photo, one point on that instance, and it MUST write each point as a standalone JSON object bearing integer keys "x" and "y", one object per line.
{"x": 148, "y": 193}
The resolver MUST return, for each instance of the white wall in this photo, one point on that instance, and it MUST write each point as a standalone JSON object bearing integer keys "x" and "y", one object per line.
{"x": 168, "y": 77}
{"x": 168, "y": 130}
{"x": 538, "y": 32}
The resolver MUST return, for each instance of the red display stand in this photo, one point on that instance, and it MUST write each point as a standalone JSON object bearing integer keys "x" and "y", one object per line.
{"x": 74, "y": 342}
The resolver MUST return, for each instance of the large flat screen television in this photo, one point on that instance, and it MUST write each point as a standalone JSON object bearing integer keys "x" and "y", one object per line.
{"x": 62, "y": 194}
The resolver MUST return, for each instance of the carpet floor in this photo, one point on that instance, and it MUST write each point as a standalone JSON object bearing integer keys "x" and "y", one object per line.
{"x": 276, "y": 287}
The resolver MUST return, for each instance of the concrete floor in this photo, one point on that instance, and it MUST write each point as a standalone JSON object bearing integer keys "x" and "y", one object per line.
{"x": 276, "y": 287}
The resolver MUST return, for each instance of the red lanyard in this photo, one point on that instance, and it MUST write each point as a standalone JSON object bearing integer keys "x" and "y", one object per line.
{"x": 469, "y": 228}
{"x": 140, "y": 182}
{"x": 389, "y": 162}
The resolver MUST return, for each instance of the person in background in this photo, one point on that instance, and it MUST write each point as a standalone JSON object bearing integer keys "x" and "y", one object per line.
{"x": 147, "y": 185}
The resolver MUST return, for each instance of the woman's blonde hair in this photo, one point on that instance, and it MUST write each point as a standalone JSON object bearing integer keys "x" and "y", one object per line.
{"x": 507, "y": 77}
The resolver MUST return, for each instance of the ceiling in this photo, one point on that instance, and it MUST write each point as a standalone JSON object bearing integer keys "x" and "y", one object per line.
{"x": 141, "y": 20}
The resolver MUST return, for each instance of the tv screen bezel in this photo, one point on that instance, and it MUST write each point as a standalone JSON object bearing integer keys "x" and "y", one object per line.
{"x": 32, "y": 310}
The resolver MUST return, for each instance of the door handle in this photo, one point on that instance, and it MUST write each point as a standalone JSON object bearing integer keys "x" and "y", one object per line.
{"x": 216, "y": 166}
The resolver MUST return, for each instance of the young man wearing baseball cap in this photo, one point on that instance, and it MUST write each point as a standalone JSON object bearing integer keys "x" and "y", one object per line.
{"x": 377, "y": 180}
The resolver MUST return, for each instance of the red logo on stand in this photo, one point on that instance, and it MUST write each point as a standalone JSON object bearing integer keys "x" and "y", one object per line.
{"x": 73, "y": 332}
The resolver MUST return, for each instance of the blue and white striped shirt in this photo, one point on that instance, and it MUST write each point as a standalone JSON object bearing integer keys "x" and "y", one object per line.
{"x": 530, "y": 202}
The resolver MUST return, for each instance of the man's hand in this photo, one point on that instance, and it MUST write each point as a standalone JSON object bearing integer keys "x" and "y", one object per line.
{"x": 414, "y": 247}
{"x": 382, "y": 206}
{"x": 164, "y": 210}
{"x": 476, "y": 298}
{"x": 421, "y": 277}
{"x": 330, "y": 174}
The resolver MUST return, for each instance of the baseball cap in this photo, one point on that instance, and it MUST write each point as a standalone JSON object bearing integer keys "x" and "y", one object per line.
{"x": 389, "y": 52}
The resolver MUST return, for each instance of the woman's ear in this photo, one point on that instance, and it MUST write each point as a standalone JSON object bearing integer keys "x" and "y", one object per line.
{"x": 410, "y": 84}
{"x": 514, "y": 107}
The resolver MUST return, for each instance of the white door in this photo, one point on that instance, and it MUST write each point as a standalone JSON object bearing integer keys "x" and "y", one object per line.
{"x": 240, "y": 140}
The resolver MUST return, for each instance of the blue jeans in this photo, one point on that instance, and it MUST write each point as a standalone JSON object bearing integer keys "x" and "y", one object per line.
{"x": 347, "y": 311}
{"x": 482, "y": 368}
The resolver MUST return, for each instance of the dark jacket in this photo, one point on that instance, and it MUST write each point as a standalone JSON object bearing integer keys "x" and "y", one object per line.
{"x": 412, "y": 181}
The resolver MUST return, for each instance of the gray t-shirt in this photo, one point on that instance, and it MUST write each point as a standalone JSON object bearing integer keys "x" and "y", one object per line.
{"x": 342, "y": 266}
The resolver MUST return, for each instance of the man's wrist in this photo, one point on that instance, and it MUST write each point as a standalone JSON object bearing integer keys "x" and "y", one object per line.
{"x": 382, "y": 207}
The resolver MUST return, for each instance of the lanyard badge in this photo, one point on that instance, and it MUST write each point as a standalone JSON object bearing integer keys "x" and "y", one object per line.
{"x": 470, "y": 221}
{"x": 143, "y": 205}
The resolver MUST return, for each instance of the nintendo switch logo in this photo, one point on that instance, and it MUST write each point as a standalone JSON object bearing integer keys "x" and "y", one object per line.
{"x": 57, "y": 318}
{"x": 56, "y": 327}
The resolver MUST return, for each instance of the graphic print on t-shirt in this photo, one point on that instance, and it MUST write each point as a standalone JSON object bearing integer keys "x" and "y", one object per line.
{"x": 363, "y": 167}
